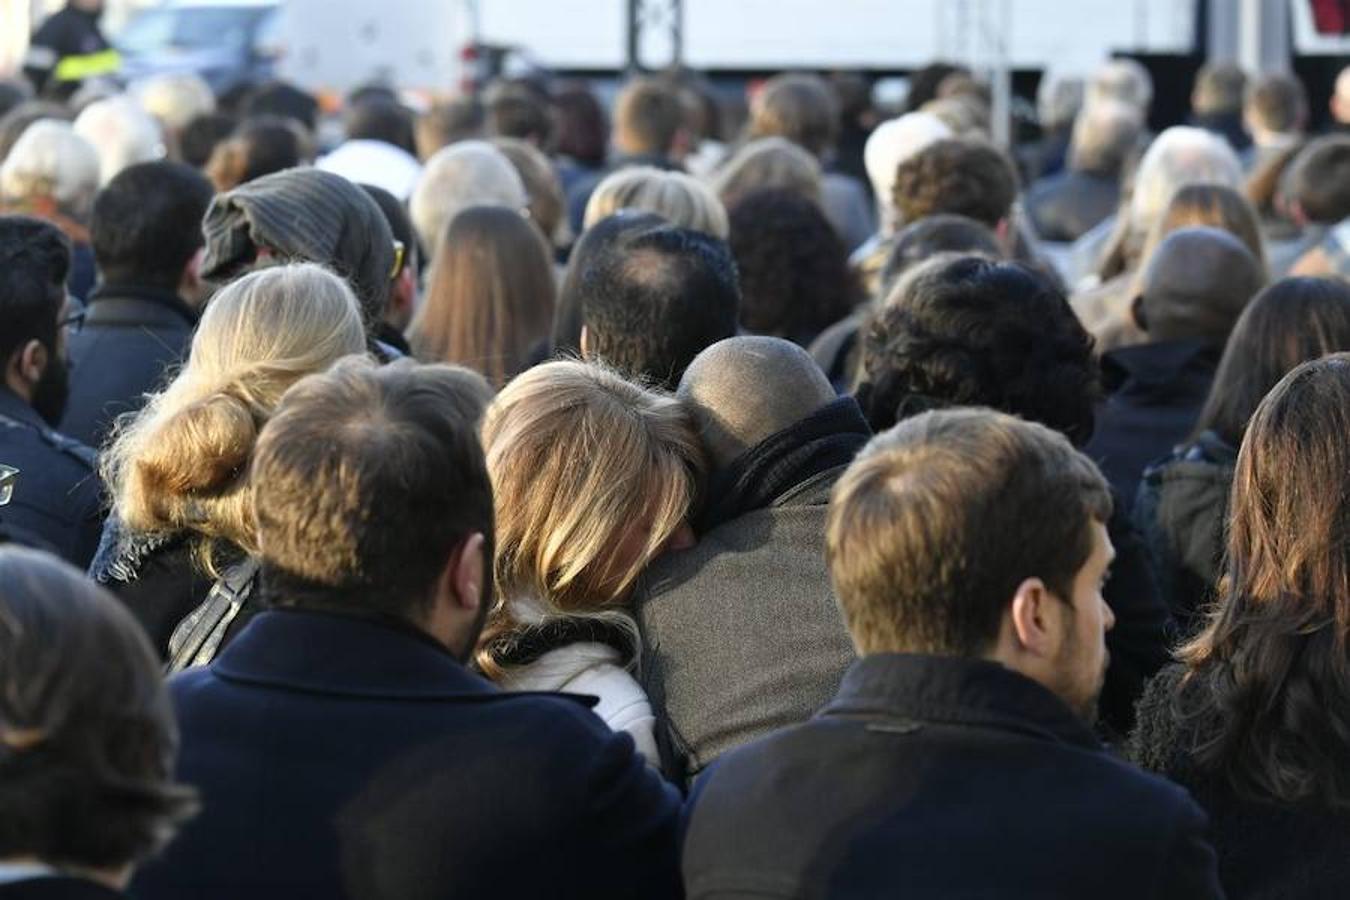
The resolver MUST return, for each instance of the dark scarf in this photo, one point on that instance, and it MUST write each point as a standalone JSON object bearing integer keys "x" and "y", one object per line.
{"x": 525, "y": 645}
{"x": 827, "y": 439}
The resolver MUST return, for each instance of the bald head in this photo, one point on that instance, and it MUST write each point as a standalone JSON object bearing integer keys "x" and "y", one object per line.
{"x": 745, "y": 389}
{"x": 1196, "y": 285}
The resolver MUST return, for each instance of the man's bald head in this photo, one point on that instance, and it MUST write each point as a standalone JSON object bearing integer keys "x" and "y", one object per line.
{"x": 744, "y": 389}
{"x": 1196, "y": 285}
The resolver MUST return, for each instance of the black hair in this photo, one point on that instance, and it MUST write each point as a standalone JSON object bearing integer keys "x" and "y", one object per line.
{"x": 971, "y": 332}
{"x": 516, "y": 110}
{"x": 399, "y": 223}
{"x": 376, "y": 118}
{"x": 147, "y": 223}
{"x": 34, "y": 262}
{"x": 656, "y": 298}
{"x": 941, "y": 233}
{"x": 260, "y": 146}
{"x": 201, "y": 135}
{"x": 794, "y": 274}
{"x": 277, "y": 98}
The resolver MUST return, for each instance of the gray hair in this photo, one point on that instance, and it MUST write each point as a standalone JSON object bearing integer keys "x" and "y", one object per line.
{"x": 464, "y": 174}
{"x": 123, "y": 134}
{"x": 51, "y": 160}
{"x": 1104, "y": 134}
{"x": 1125, "y": 80}
{"x": 1179, "y": 156}
{"x": 680, "y": 199}
{"x": 175, "y": 99}
{"x": 1059, "y": 100}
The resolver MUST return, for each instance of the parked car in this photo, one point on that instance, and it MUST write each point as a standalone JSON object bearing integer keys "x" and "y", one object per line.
{"x": 227, "y": 42}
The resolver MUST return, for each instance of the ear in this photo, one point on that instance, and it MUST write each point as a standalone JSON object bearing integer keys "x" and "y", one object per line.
{"x": 191, "y": 279}
{"x": 1297, "y": 214}
{"x": 1137, "y": 312}
{"x": 33, "y": 359}
{"x": 1036, "y": 616}
{"x": 1006, "y": 236}
{"x": 584, "y": 345}
{"x": 467, "y": 574}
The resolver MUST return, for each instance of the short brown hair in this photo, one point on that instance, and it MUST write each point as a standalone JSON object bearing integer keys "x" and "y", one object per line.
{"x": 800, "y": 108}
{"x": 1320, "y": 180}
{"x": 647, "y": 116}
{"x": 939, "y": 519}
{"x": 368, "y": 478}
{"x": 965, "y": 177}
{"x": 87, "y": 738}
{"x": 1278, "y": 102}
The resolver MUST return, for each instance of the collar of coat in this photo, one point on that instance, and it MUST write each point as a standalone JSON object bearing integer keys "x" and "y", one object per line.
{"x": 905, "y": 691}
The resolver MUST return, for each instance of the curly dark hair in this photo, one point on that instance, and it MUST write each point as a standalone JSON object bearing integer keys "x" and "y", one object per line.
{"x": 972, "y": 332}
{"x": 962, "y": 176}
{"x": 795, "y": 279}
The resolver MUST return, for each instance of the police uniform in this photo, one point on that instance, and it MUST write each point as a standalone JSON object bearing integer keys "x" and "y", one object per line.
{"x": 67, "y": 49}
{"x": 55, "y": 495}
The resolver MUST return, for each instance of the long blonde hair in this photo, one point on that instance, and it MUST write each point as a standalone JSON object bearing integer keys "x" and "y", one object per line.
{"x": 181, "y": 463}
{"x": 577, "y": 455}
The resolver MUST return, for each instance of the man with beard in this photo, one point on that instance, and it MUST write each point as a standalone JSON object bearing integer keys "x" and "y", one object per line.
{"x": 968, "y": 549}
{"x": 49, "y": 493}
{"x": 341, "y": 747}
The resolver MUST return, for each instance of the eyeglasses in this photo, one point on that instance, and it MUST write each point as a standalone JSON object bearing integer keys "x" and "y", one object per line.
{"x": 73, "y": 321}
{"x": 8, "y": 476}
{"x": 399, "y": 252}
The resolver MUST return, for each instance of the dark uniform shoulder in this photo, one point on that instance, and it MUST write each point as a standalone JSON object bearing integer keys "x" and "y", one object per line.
{"x": 53, "y": 491}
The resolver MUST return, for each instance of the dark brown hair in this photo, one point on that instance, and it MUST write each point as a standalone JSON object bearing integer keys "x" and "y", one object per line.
{"x": 87, "y": 738}
{"x": 1266, "y": 696}
{"x": 490, "y": 297}
{"x": 799, "y": 107}
{"x": 1320, "y": 179}
{"x": 966, "y": 177}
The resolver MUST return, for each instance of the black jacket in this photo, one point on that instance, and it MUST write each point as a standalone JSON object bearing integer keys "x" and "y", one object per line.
{"x": 940, "y": 777}
{"x": 57, "y": 499}
{"x": 57, "y": 888}
{"x": 348, "y": 757}
{"x": 67, "y": 35}
{"x": 1266, "y": 851}
{"x": 131, "y": 336}
{"x": 1154, "y": 394}
{"x": 1066, "y": 206}
{"x": 1180, "y": 511}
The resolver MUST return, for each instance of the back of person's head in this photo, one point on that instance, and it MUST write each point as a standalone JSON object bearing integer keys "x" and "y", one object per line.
{"x": 400, "y": 225}
{"x": 1320, "y": 180}
{"x": 122, "y": 133}
{"x": 674, "y": 196}
{"x": 1104, "y": 136}
{"x": 464, "y": 174}
{"x": 966, "y": 177}
{"x": 891, "y": 143}
{"x": 654, "y": 298}
{"x": 1290, "y": 322}
{"x": 175, "y": 99}
{"x": 1196, "y": 284}
{"x": 303, "y": 215}
{"x": 1219, "y": 89}
{"x": 1122, "y": 79}
{"x": 771, "y": 162}
{"x": 277, "y": 98}
{"x": 201, "y": 135}
{"x": 1179, "y": 156}
{"x": 932, "y": 235}
{"x": 448, "y": 122}
{"x": 490, "y": 294}
{"x": 582, "y": 132}
{"x": 259, "y": 146}
{"x": 799, "y": 107}
{"x": 590, "y": 247}
{"x": 1276, "y": 103}
{"x": 924, "y": 83}
{"x": 794, "y": 274}
{"x": 517, "y": 111}
{"x": 547, "y": 207}
{"x": 16, "y": 121}
{"x": 581, "y": 460}
{"x": 370, "y": 480}
{"x": 87, "y": 737}
{"x": 181, "y": 462}
{"x": 34, "y": 262}
{"x": 50, "y": 161}
{"x": 380, "y": 119}
{"x": 927, "y": 539}
{"x": 975, "y": 332}
{"x": 743, "y": 390}
{"x": 1059, "y": 99}
{"x": 1270, "y": 688}
{"x": 146, "y": 224}
{"x": 648, "y": 118}
{"x": 1212, "y": 206}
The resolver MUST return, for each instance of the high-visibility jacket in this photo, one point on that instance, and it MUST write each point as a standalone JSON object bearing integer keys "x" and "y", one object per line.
{"x": 67, "y": 49}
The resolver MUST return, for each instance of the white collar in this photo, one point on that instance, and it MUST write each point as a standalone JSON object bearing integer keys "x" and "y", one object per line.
{"x": 11, "y": 872}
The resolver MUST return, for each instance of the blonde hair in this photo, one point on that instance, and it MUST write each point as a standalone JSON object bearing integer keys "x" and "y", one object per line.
{"x": 577, "y": 456}
{"x": 182, "y": 462}
{"x": 680, "y": 199}
{"x": 769, "y": 162}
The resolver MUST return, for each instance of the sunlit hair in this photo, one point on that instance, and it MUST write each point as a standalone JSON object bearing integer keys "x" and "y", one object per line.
{"x": 578, "y": 457}
{"x": 770, "y": 162}
{"x": 50, "y": 160}
{"x": 680, "y": 199}
{"x": 1205, "y": 205}
{"x": 182, "y": 462}
{"x": 1266, "y": 696}
{"x": 490, "y": 295}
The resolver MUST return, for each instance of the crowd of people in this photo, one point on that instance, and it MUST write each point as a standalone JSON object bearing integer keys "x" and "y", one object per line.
{"x": 530, "y": 498}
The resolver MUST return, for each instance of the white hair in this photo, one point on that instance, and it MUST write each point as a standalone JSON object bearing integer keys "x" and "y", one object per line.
{"x": 122, "y": 132}
{"x": 1125, "y": 80}
{"x": 51, "y": 160}
{"x": 891, "y": 143}
{"x": 175, "y": 99}
{"x": 464, "y": 174}
{"x": 1179, "y": 156}
{"x": 1059, "y": 100}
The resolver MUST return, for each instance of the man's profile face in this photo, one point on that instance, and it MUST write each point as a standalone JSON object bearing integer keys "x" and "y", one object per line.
{"x": 1081, "y": 665}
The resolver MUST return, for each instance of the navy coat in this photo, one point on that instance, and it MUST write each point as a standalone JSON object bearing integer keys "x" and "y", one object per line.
{"x": 939, "y": 777}
{"x": 346, "y": 757}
